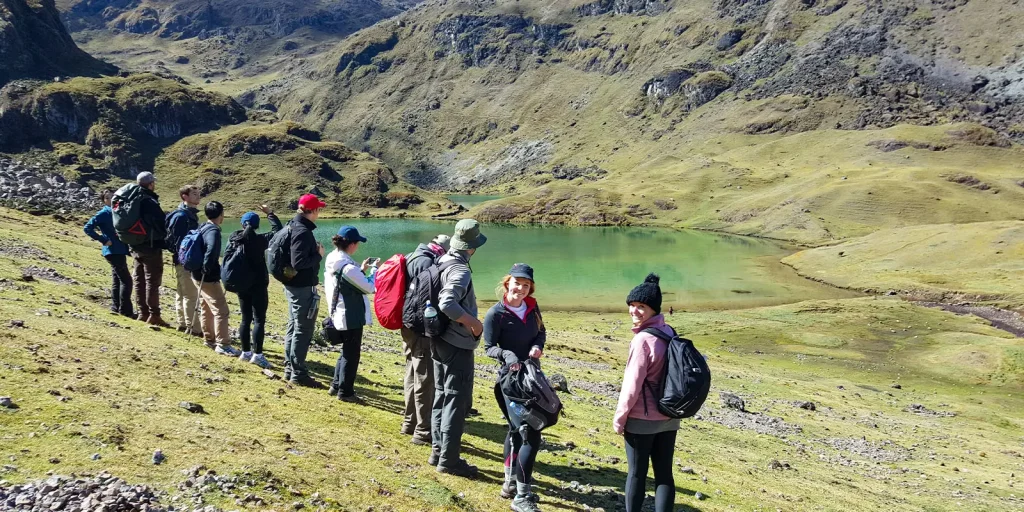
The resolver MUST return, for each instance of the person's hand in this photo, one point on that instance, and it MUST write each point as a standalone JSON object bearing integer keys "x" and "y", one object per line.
{"x": 515, "y": 367}
{"x": 108, "y": 243}
{"x": 365, "y": 265}
{"x": 266, "y": 209}
{"x": 536, "y": 353}
{"x": 475, "y": 327}
{"x": 320, "y": 249}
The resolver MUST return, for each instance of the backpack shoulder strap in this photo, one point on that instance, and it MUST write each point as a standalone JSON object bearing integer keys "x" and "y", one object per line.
{"x": 658, "y": 333}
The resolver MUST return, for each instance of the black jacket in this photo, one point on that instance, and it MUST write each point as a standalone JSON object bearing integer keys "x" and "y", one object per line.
{"x": 305, "y": 256}
{"x": 509, "y": 339}
{"x": 255, "y": 247}
{"x": 178, "y": 225}
{"x": 210, "y": 273}
{"x": 419, "y": 260}
{"x": 153, "y": 218}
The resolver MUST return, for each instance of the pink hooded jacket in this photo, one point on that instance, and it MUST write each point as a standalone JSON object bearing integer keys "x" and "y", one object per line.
{"x": 646, "y": 361}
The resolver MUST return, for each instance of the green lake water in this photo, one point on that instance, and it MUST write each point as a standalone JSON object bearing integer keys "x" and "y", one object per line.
{"x": 594, "y": 268}
{"x": 469, "y": 201}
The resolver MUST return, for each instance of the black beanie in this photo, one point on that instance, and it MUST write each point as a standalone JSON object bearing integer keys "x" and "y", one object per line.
{"x": 648, "y": 293}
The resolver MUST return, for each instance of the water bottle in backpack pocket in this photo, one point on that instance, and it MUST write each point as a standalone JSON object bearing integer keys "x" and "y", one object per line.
{"x": 431, "y": 322}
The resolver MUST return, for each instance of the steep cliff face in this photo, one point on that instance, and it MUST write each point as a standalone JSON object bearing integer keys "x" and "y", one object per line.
{"x": 35, "y": 44}
{"x": 204, "y": 40}
{"x": 112, "y": 120}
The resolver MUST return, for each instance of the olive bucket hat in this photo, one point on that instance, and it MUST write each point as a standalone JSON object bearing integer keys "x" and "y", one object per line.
{"x": 467, "y": 235}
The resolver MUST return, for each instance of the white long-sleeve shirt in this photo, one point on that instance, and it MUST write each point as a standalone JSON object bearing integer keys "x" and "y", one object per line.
{"x": 351, "y": 272}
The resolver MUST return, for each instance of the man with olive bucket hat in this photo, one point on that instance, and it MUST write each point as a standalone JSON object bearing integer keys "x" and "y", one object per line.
{"x": 452, "y": 353}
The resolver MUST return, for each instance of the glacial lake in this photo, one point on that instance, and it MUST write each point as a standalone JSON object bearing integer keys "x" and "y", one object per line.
{"x": 594, "y": 268}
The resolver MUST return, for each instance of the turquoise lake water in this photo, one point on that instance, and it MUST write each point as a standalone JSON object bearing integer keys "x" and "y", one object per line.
{"x": 594, "y": 268}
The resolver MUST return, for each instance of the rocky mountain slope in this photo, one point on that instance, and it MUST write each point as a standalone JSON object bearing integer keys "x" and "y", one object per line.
{"x": 576, "y": 104}
{"x": 203, "y": 40}
{"x": 34, "y": 44}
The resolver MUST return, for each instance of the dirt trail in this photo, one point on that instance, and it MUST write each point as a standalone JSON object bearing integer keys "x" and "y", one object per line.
{"x": 1008, "y": 321}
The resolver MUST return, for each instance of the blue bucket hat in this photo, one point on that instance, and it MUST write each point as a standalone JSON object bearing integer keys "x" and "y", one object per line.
{"x": 252, "y": 219}
{"x": 351, "y": 234}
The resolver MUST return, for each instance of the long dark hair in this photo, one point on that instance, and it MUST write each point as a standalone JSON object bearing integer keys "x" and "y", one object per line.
{"x": 341, "y": 242}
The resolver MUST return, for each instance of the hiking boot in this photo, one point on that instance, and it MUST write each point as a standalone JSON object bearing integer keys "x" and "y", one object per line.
{"x": 525, "y": 504}
{"x": 157, "y": 321}
{"x": 261, "y": 361}
{"x": 352, "y": 399}
{"x": 433, "y": 459}
{"x": 508, "y": 489}
{"x": 419, "y": 441}
{"x": 461, "y": 468}
{"x": 210, "y": 344}
{"x": 182, "y": 328}
{"x": 306, "y": 382}
{"x": 226, "y": 350}
{"x": 333, "y": 391}
{"x": 245, "y": 356}
{"x": 142, "y": 317}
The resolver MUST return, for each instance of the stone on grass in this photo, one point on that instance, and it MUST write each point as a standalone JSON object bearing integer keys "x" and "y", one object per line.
{"x": 192, "y": 407}
{"x": 807, "y": 405}
{"x": 159, "y": 457}
{"x": 559, "y": 383}
{"x": 733, "y": 401}
{"x": 7, "y": 403}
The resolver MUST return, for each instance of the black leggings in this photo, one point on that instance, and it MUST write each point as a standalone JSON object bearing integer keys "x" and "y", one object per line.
{"x": 348, "y": 361}
{"x": 658, "y": 450}
{"x": 254, "y": 318}
{"x": 521, "y": 444}
{"x": 122, "y": 285}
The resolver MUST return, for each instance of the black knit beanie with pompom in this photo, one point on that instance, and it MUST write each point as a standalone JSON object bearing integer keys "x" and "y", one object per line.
{"x": 648, "y": 293}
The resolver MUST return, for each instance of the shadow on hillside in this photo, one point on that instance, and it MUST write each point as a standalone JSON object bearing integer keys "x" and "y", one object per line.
{"x": 594, "y": 477}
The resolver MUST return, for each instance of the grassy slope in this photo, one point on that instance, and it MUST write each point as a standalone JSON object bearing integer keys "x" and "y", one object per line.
{"x": 125, "y": 384}
{"x": 244, "y": 179}
{"x": 980, "y": 261}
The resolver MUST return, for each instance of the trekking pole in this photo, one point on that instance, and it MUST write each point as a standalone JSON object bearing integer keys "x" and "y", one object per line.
{"x": 192, "y": 324}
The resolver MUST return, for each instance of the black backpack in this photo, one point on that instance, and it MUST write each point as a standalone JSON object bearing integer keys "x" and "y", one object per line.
{"x": 279, "y": 255}
{"x": 686, "y": 380}
{"x": 235, "y": 272}
{"x": 426, "y": 286}
{"x": 530, "y": 389}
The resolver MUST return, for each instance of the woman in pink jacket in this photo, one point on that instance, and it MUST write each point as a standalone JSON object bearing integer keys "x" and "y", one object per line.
{"x": 650, "y": 436}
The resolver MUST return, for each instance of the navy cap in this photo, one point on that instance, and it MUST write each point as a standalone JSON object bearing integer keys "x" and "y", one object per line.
{"x": 521, "y": 270}
{"x": 252, "y": 219}
{"x": 351, "y": 234}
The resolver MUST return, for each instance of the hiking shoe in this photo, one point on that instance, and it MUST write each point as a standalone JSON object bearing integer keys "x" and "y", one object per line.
{"x": 508, "y": 489}
{"x": 433, "y": 459}
{"x": 226, "y": 350}
{"x": 245, "y": 356}
{"x": 352, "y": 399}
{"x": 181, "y": 328}
{"x": 157, "y": 321}
{"x": 142, "y": 317}
{"x": 461, "y": 468}
{"x": 332, "y": 390}
{"x": 419, "y": 441}
{"x": 472, "y": 412}
{"x": 261, "y": 361}
{"x": 525, "y": 504}
{"x": 306, "y": 382}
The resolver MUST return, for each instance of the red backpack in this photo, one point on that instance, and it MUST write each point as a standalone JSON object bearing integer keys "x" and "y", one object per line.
{"x": 389, "y": 300}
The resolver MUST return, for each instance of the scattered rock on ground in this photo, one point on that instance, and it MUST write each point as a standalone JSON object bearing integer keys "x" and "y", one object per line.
{"x": 102, "y": 492}
{"x": 924, "y": 411}
{"x": 192, "y": 407}
{"x": 558, "y": 382}
{"x": 7, "y": 403}
{"x": 807, "y": 405}
{"x": 733, "y": 401}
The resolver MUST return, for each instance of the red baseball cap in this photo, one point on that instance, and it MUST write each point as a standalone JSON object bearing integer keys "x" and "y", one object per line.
{"x": 311, "y": 202}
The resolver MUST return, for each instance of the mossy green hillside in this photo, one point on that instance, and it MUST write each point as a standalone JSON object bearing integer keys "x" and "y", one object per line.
{"x": 88, "y": 382}
{"x": 949, "y": 262}
{"x": 254, "y": 163}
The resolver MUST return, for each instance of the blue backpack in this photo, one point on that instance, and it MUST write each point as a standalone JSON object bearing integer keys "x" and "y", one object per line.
{"x": 192, "y": 250}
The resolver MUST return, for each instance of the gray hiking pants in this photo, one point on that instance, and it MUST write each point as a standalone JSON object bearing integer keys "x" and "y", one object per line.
{"x": 303, "y": 305}
{"x": 453, "y": 394}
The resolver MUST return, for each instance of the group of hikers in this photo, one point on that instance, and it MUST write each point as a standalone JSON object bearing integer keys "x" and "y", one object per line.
{"x": 437, "y": 315}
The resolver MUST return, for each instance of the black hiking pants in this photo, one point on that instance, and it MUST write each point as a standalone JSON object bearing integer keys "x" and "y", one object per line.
{"x": 254, "y": 318}
{"x": 348, "y": 361}
{"x": 122, "y": 286}
{"x": 522, "y": 443}
{"x": 658, "y": 450}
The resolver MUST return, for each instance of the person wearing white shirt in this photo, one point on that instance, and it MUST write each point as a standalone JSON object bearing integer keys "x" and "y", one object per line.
{"x": 348, "y": 304}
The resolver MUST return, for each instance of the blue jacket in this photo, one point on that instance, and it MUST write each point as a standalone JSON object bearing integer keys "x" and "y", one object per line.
{"x": 104, "y": 220}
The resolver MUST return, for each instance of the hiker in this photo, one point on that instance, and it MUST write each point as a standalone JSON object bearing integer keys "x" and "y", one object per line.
{"x": 650, "y": 435}
{"x": 305, "y": 255}
{"x": 419, "y": 369}
{"x": 183, "y": 219}
{"x": 214, "y": 304}
{"x": 116, "y": 254}
{"x": 349, "y": 308}
{"x": 513, "y": 333}
{"x": 254, "y": 279}
{"x": 452, "y": 352}
{"x": 148, "y": 253}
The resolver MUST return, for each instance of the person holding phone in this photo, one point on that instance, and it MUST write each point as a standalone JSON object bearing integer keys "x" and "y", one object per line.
{"x": 348, "y": 306}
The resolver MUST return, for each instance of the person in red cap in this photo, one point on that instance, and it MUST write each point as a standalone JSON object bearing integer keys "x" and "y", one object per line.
{"x": 300, "y": 290}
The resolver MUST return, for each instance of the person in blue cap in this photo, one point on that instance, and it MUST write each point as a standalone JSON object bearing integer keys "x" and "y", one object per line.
{"x": 348, "y": 306}
{"x": 252, "y": 290}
